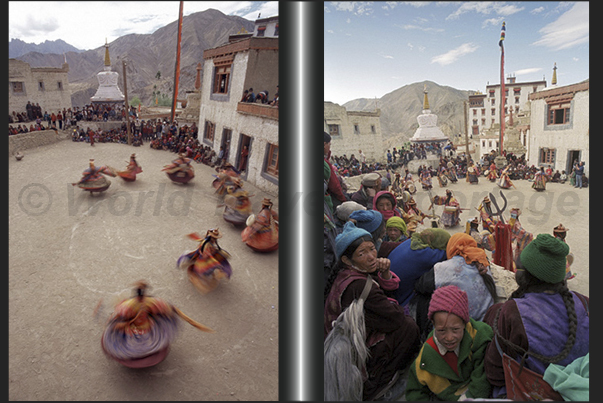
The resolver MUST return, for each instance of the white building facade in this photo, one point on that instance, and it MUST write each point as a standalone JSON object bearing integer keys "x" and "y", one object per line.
{"x": 228, "y": 71}
{"x": 352, "y": 131}
{"x": 484, "y": 109}
{"x": 559, "y": 127}
{"x": 47, "y": 86}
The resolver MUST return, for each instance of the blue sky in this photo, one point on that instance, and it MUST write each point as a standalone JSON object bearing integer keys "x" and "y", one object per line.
{"x": 373, "y": 48}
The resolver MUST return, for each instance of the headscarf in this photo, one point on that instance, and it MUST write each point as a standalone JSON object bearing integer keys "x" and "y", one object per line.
{"x": 397, "y": 222}
{"x": 387, "y": 214}
{"x": 435, "y": 238}
{"x": 466, "y": 246}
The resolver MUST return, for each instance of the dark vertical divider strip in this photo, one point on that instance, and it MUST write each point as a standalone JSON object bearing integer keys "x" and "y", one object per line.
{"x": 300, "y": 127}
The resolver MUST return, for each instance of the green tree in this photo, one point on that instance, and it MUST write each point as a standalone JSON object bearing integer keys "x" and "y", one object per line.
{"x": 158, "y": 75}
{"x": 135, "y": 101}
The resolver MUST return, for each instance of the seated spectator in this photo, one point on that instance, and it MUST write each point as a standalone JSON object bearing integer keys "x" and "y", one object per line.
{"x": 452, "y": 359}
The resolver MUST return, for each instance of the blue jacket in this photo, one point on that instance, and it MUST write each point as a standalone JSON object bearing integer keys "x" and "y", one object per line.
{"x": 409, "y": 265}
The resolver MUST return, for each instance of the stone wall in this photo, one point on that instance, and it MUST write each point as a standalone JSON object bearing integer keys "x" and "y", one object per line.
{"x": 24, "y": 141}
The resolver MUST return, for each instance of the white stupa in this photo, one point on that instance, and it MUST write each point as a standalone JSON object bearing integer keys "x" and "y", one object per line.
{"x": 108, "y": 91}
{"x": 428, "y": 131}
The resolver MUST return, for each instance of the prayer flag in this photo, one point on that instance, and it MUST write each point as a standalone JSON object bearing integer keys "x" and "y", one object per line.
{"x": 502, "y": 34}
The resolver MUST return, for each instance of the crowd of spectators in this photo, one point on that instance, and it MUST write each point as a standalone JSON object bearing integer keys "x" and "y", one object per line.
{"x": 519, "y": 167}
{"x": 33, "y": 119}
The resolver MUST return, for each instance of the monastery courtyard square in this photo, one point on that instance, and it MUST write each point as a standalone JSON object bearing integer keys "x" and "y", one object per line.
{"x": 540, "y": 213}
{"x": 70, "y": 250}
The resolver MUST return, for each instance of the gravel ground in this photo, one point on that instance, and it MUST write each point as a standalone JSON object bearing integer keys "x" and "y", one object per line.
{"x": 69, "y": 250}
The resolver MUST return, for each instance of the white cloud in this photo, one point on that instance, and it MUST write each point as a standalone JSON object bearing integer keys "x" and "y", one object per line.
{"x": 537, "y": 10}
{"x": 388, "y": 56}
{"x": 529, "y": 70}
{"x": 424, "y": 29}
{"x": 575, "y": 59}
{"x": 410, "y": 45}
{"x": 356, "y": 7}
{"x": 570, "y": 29}
{"x": 493, "y": 21}
{"x": 454, "y": 54}
{"x": 330, "y": 31}
{"x": 485, "y": 7}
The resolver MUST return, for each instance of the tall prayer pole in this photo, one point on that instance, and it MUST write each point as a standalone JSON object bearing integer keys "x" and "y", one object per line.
{"x": 123, "y": 62}
{"x": 502, "y": 89}
{"x": 177, "y": 67}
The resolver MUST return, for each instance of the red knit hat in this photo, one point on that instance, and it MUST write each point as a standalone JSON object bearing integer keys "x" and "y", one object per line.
{"x": 449, "y": 299}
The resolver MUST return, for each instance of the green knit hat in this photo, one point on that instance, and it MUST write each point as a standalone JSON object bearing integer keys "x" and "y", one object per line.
{"x": 545, "y": 258}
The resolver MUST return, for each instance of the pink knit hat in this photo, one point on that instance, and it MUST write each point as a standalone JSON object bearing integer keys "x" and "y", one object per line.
{"x": 449, "y": 299}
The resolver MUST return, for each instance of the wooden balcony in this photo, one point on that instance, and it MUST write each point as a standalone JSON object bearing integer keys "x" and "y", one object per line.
{"x": 261, "y": 110}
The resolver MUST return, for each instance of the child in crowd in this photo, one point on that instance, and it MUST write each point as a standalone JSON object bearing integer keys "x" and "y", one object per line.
{"x": 450, "y": 365}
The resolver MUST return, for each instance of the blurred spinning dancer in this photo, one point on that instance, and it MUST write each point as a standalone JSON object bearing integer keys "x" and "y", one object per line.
{"x": 208, "y": 264}
{"x": 261, "y": 233}
{"x": 141, "y": 328}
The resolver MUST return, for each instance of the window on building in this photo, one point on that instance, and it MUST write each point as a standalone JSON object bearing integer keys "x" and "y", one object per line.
{"x": 475, "y": 130}
{"x": 40, "y": 85}
{"x": 356, "y": 129}
{"x": 272, "y": 160}
{"x": 59, "y": 85}
{"x": 334, "y": 130}
{"x": 517, "y": 91}
{"x": 559, "y": 114}
{"x": 221, "y": 79}
{"x": 17, "y": 86}
{"x": 276, "y": 30}
{"x": 546, "y": 156}
{"x": 474, "y": 112}
{"x": 261, "y": 30}
{"x": 493, "y": 102}
{"x": 493, "y": 110}
{"x": 516, "y": 100}
{"x": 209, "y": 132}
{"x": 483, "y": 111}
{"x": 483, "y": 121}
{"x": 492, "y": 93}
{"x": 373, "y": 130}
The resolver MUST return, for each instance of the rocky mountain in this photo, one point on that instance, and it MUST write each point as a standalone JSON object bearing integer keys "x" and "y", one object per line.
{"x": 16, "y": 47}
{"x": 146, "y": 56}
{"x": 400, "y": 108}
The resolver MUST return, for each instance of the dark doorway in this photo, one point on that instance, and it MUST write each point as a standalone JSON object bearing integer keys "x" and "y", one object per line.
{"x": 242, "y": 160}
{"x": 226, "y": 135}
{"x": 573, "y": 156}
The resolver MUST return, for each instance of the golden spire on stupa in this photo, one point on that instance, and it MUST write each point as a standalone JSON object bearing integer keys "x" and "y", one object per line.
{"x": 554, "y": 80}
{"x": 425, "y": 100}
{"x": 107, "y": 59}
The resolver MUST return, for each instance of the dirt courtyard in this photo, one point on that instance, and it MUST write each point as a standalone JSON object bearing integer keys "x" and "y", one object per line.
{"x": 540, "y": 213}
{"x": 69, "y": 250}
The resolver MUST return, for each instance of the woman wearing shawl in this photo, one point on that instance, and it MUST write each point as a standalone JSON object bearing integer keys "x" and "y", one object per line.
{"x": 414, "y": 257}
{"x": 385, "y": 203}
{"x": 468, "y": 268}
{"x": 391, "y": 337}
